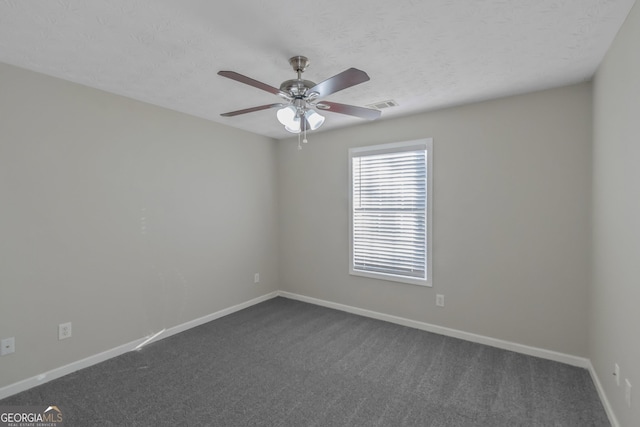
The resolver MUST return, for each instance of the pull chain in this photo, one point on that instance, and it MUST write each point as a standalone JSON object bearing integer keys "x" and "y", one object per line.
{"x": 304, "y": 130}
{"x": 304, "y": 126}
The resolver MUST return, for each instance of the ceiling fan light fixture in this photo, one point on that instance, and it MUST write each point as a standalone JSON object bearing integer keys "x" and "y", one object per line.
{"x": 314, "y": 119}
{"x": 292, "y": 130}
{"x": 287, "y": 116}
{"x": 293, "y": 126}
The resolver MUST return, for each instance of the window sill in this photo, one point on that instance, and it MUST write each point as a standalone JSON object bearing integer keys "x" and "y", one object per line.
{"x": 392, "y": 278}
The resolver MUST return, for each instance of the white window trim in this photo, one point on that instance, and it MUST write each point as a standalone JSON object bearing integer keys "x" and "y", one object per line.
{"x": 426, "y": 144}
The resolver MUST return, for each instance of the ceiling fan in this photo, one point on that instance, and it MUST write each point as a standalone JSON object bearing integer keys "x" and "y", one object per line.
{"x": 302, "y": 97}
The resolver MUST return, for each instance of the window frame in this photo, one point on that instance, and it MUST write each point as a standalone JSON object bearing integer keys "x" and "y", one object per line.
{"x": 394, "y": 147}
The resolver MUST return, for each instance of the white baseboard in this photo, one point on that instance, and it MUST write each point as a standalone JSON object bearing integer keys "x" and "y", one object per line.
{"x": 603, "y": 397}
{"x": 205, "y": 319}
{"x": 28, "y": 383}
{"x": 468, "y": 336}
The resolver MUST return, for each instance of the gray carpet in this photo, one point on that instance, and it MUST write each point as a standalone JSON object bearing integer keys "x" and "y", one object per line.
{"x": 288, "y": 363}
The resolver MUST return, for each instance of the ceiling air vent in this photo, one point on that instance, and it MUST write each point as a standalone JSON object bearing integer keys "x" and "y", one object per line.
{"x": 383, "y": 104}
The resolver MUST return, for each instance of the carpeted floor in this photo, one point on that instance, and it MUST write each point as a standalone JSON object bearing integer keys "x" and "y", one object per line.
{"x": 288, "y": 363}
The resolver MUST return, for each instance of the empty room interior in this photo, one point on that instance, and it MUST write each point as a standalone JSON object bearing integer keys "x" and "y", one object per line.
{"x": 184, "y": 188}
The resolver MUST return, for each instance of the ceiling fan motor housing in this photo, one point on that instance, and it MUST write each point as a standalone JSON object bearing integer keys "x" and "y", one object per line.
{"x": 297, "y": 88}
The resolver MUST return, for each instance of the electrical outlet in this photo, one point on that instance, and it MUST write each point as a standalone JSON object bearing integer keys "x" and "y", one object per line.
{"x": 627, "y": 393}
{"x": 440, "y": 300}
{"x": 7, "y": 346}
{"x": 256, "y": 278}
{"x": 616, "y": 373}
{"x": 64, "y": 331}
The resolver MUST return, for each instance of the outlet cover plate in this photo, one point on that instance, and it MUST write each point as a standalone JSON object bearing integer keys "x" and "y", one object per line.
{"x": 64, "y": 330}
{"x": 7, "y": 346}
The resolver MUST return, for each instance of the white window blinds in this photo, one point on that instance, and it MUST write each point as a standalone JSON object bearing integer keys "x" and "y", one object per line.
{"x": 389, "y": 221}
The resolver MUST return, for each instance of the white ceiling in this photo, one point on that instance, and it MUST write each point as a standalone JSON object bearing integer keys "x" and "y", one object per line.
{"x": 422, "y": 54}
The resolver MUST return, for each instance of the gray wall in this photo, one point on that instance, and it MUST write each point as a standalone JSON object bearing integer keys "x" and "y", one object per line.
{"x": 122, "y": 218}
{"x": 615, "y": 294}
{"x": 511, "y": 219}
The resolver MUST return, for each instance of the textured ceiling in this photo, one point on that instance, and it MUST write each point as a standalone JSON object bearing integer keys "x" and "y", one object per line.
{"x": 422, "y": 54}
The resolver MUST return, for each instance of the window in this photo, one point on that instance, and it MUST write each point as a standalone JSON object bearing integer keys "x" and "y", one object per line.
{"x": 390, "y": 211}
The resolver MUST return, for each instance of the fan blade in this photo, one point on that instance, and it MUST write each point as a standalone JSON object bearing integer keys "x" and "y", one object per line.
{"x": 251, "y": 110}
{"x": 345, "y": 79}
{"x": 352, "y": 110}
{"x": 251, "y": 82}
